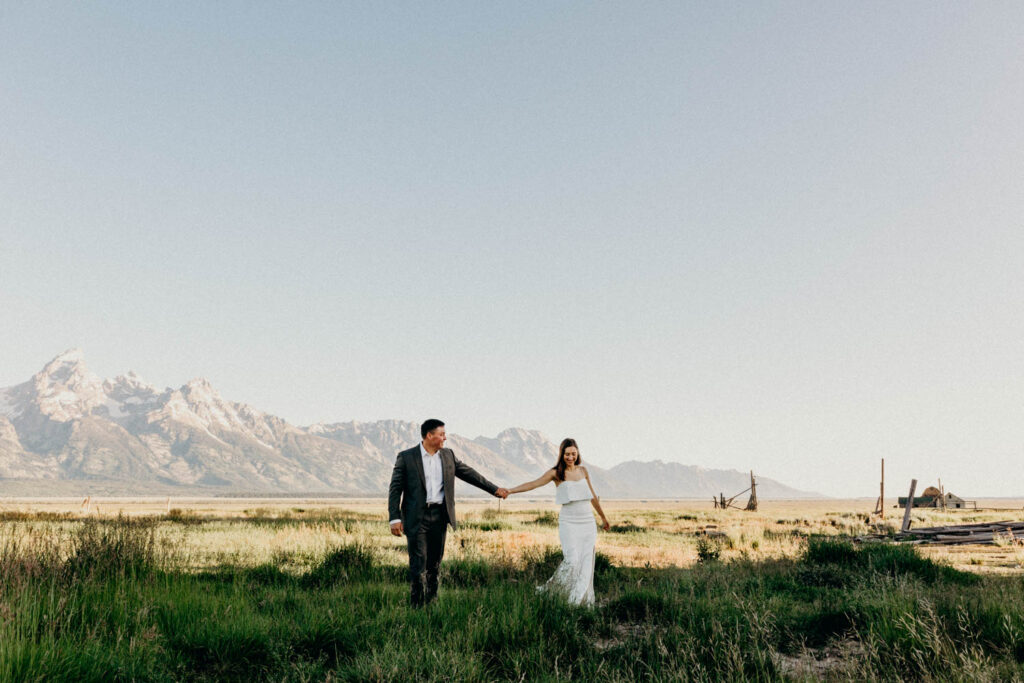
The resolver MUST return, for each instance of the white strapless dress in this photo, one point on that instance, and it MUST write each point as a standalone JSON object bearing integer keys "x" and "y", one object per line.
{"x": 577, "y": 531}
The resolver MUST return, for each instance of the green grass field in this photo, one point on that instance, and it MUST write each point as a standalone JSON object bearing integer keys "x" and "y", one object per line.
{"x": 145, "y": 598}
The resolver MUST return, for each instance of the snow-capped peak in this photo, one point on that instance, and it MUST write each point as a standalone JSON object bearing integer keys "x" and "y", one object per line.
{"x": 201, "y": 386}
{"x": 206, "y": 403}
{"x": 66, "y": 389}
{"x": 521, "y": 446}
{"x": 128, "y": 395}
{"x": 73, "y": 355}
{"x": 130, "y": 384}
{"x": 514, "y": 433}
{"x": 65, "y": 365}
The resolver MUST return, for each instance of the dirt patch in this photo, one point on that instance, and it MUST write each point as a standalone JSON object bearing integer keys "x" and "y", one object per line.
{"x": 830, "y": 661}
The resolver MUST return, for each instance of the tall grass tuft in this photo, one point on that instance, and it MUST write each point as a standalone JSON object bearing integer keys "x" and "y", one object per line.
{"x": 887, "y": 558}
{"x": 123, "y": 547}
{"x": 354, "y": 561}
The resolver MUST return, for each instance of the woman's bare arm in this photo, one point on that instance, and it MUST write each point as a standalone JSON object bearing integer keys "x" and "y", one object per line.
{"x": 530, "y": 485}
{"x": 596, "y": 502}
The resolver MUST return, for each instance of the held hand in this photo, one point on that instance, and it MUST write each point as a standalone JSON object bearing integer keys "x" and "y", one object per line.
{"x": 397, "y": 529}
{"x": 501, "y": 492}
{"x": 605, "y": 525}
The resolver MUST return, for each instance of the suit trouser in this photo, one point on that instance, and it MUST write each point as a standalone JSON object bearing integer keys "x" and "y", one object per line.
{"x": 426, "y": 548}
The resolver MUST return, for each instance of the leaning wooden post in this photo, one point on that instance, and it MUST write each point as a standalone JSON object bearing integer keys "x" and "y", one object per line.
{"x": 910, "y": 504}
{"x": 752, "y": 502}
{"x": 881, "y": 492}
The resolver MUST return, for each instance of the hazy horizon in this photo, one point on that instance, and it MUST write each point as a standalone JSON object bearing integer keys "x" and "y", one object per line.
{"x": 778, "y": 236}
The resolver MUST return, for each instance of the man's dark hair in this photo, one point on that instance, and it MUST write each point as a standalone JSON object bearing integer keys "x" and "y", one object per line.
{"x": 429, "y": 426}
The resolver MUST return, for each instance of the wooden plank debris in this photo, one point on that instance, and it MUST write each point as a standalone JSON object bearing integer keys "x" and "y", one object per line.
{"x": 990, "y": 532}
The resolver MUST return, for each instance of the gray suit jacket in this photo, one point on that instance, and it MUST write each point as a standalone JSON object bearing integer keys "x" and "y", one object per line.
{"x": 407, "y": 495}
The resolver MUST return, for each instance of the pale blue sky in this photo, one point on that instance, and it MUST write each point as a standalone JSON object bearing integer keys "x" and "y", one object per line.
{"x": 785, "y": 236}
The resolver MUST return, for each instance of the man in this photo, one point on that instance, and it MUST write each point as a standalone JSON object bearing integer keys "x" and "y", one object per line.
{"x": 421, "y": 504}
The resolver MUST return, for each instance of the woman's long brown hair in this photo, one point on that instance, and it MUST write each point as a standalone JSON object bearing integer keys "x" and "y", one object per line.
{"x": 560, "y": 467}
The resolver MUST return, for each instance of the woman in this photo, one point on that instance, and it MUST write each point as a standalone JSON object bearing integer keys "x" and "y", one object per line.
{"x": 576, "y": 528}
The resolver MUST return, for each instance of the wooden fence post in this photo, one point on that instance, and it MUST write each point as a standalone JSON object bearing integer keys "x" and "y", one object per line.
{"x": 910, "y": 504}
{"x": 881, "y": 492}
{"x": 752, "y": 501}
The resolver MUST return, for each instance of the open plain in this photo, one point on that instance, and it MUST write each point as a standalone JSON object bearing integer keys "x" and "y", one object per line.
{"x": 656, "y": 533}
{"x": 314, "y": 589}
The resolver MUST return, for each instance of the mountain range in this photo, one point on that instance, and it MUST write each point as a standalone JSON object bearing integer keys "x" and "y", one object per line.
{"x": 67, "y": 431}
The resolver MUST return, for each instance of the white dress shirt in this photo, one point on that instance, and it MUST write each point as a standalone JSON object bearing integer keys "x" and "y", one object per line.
{"x": 433, "y": 475}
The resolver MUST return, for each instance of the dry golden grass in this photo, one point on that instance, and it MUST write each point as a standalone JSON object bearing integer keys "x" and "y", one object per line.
{"x": 296, "y": 532}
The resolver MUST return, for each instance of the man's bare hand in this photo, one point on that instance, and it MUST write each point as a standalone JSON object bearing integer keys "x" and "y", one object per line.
{"x": 397, "y": 529}
{"x": 501, "y": 492}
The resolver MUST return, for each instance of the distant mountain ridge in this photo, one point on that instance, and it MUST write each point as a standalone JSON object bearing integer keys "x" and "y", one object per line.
{"x": 68, "y": 426}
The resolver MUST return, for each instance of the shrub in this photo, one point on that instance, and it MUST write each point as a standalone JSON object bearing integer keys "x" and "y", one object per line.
{"x": 350, "y": 562}
{"x": 180, "y": 516}
{"x": 602, "y": 564}
{"x": 828, "y": 550}
{"x": 547, "y": 519}
{"x": 708, "y": 549}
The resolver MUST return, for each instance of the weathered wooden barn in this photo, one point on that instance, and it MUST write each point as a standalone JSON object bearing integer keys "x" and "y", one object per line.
{"x": 932, "y": 497}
